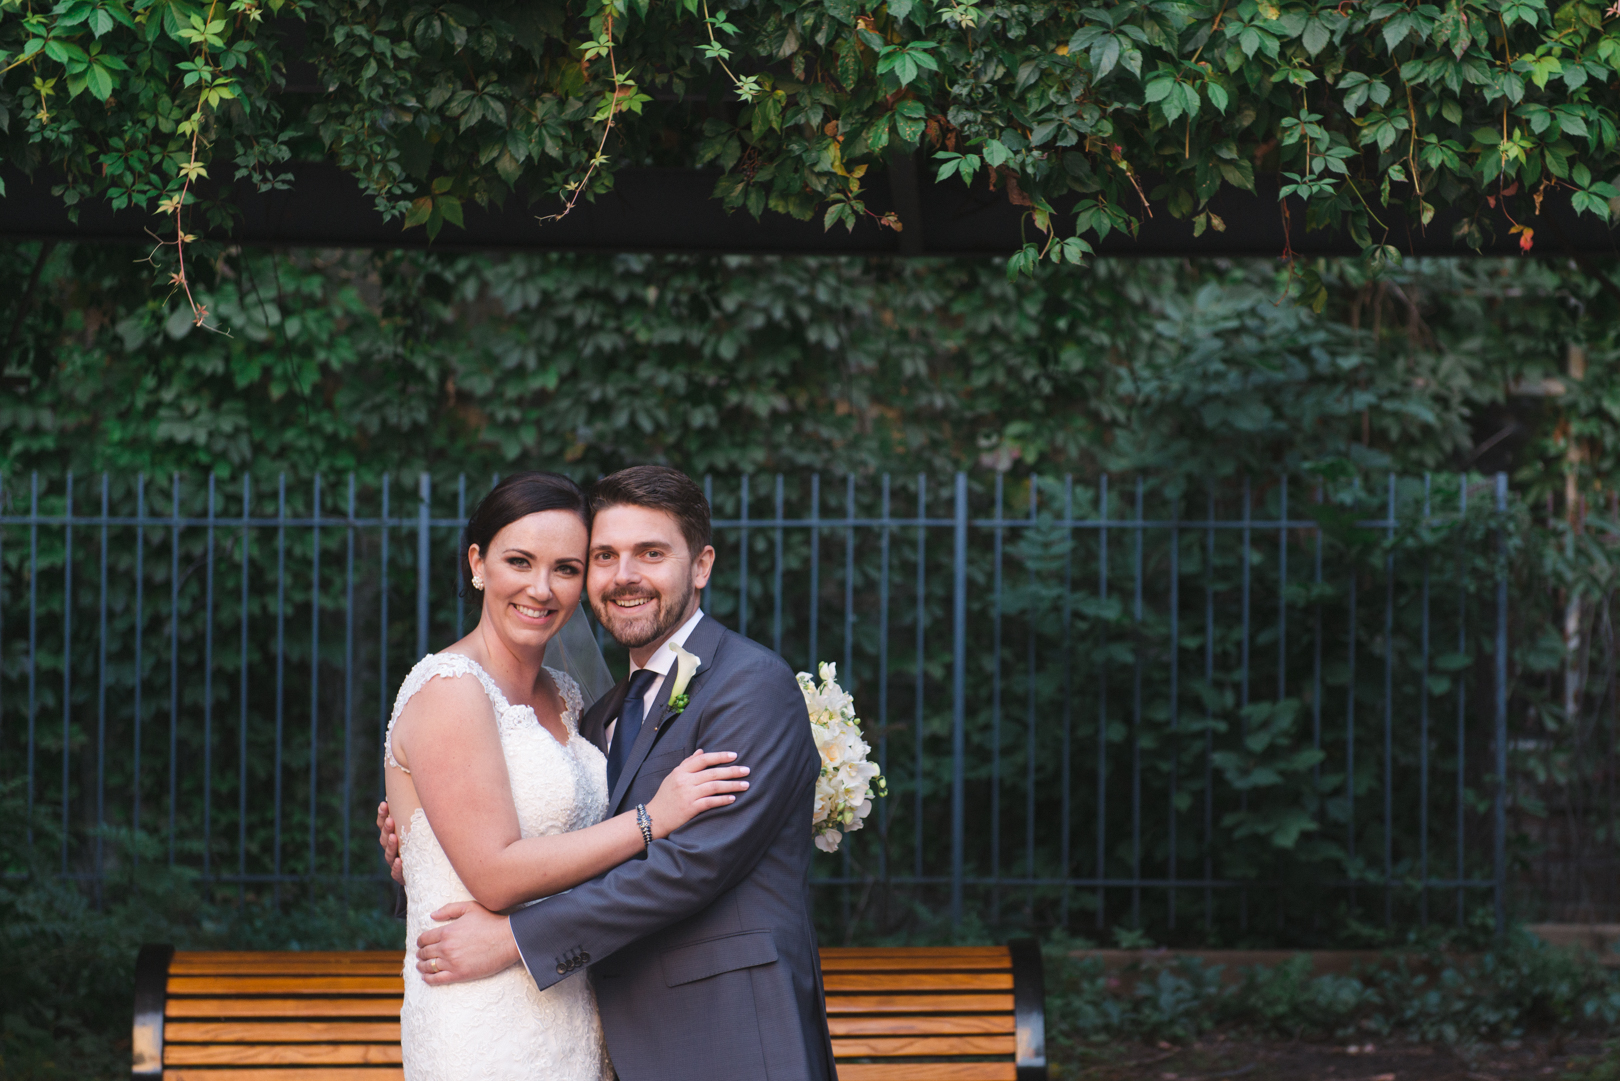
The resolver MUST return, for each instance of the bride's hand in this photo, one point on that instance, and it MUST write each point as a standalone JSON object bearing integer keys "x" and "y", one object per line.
{"x": 700, "y": 783}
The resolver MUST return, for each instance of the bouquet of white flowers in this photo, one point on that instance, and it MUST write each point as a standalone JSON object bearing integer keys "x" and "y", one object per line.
{"x": 848, "y": 781}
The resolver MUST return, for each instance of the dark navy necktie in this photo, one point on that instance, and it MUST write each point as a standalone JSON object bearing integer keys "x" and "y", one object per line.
{"x": 630, "y": 717}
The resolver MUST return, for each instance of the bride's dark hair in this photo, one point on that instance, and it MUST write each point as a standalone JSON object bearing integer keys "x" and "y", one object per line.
{"x": 517, "y": 496}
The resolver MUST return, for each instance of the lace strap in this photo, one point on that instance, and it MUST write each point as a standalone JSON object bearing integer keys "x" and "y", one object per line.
{"x": 449, "y": 665}
{"x": 573, "y": 700}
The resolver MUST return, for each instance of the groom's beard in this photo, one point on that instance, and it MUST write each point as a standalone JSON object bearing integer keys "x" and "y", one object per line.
{"x": 637, "y": 627}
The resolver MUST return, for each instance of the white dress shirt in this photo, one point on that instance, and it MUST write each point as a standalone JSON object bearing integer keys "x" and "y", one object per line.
{"x": 662, "y": 660}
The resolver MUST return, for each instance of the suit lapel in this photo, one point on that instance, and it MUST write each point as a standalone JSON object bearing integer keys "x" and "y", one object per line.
{"x": 593, "y": 726}
{"x": 704, "y": 642}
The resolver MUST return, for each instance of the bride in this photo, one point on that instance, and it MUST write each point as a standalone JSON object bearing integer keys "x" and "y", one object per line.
{"x": 501, "y": 800}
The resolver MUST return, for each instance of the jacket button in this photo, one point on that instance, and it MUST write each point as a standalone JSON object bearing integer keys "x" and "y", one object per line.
{"x": 584, "y": 958}
{"x": 561, "y": 969}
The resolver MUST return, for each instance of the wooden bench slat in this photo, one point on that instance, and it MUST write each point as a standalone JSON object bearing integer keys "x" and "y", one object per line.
{"x": 373, "y": 1006}
{"x": 927, "y": 1071}
{"x": 294, "y": 1073}
{"x": 918, "y": 963}
{"x": 918, "y": 981}
{"x": 232, "y": 956}
{"x": 281, "y": 1054}
{"x": 391, "y": 964}
{"x": 918, "y": 1046}
{"x": 840, "y": 1004}
{"x": 914, "y": 1025}
{"x": 281, "y": 1032}
{"x": 943, "y": 952}
{"x": 285, "y": 985}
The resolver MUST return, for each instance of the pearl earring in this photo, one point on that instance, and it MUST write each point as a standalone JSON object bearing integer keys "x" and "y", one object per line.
{"x": 478, "y": 581}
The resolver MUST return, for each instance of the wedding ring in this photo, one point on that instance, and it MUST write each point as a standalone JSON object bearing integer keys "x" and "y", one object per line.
{"x": 434, "y": 961}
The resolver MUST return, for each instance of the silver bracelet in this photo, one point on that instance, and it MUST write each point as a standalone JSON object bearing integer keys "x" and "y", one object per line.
{"x": 644, "y": 820}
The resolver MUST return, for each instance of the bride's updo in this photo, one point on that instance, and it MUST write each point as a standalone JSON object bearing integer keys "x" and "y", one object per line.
{"x": 517, "y": 496}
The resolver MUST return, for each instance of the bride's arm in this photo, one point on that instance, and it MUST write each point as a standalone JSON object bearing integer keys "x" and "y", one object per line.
{"x": 447, "y": 738}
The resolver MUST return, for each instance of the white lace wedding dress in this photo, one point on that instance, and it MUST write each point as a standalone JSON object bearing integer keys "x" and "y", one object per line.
{"x": 501, "y": 1028}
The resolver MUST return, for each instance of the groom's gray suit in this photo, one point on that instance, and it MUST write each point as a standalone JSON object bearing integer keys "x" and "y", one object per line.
{"x": 703, "y": 954}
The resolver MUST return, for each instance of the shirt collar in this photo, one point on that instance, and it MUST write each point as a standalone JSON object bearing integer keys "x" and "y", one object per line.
{"x": 663, "y": 657}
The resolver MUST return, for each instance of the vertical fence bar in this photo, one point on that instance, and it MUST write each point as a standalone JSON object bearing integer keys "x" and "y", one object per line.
{"x": 1030, "y": 687}
{"x": 885, "y": 531}
{"x": 1175, "y": 702}
{"x": 208, "y": 683}
{"x": 1282, "y": 606}
{"x": 815, "y": 566}
{"x": 242, "y": 696}
{"x": 1282, "y": 589}
{"x": 1102, "y": 700}
{"x": 67, "y": 659}
{"x": 1499, "y": 854}
{"x": 1247, "y": 558}
{"x": 281, "y": 674}
{"x": 849, "y": 638}
{"x": 1316, "y": 658}
{"x": 849, "y": 581}
{"x": 348, "y": 677}
{"x": 1209, "y": 715}
{"x": 742, "y": 556}
{"x": 1389, "y": 708}
{"x": 425, "y": 494}
{"x": 33, "y": 638}
{"x": 314, "y": 662}
{"x": 140, "y": 627}
{"x": 1066, "y": 833}
{"x": 1136, "y": 715}
{"x": 922, "y": 621}
{"x": 1423, "y": 723}
{"x": 461, "y": 516}
{"x": 776, "y": 584}
{"x": 101, "y": 688}
{"x": 1462, "y": 693}
{"x": 1350, "y": 734}
{"x": 4, "y": 502}
{"x": 995, "y": 711}
{"x": 708, "y": 501}
{"x": 383, "y": 690}
{"x": 958, "y": 698}
{"x": 174, "y": 660}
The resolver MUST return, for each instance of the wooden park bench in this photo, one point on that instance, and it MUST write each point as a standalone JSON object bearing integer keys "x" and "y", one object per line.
{"x": 960, "y": 1013}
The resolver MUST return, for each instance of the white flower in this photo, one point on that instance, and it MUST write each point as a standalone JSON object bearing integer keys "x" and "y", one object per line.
{"x": 685, "y": 664}
{"x": 848, "y": 781}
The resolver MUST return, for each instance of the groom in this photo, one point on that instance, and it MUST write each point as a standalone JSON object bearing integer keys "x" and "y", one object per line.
{"x": 702, "y": 952}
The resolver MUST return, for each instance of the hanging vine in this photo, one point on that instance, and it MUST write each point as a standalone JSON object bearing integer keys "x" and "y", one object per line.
{"x": 1088, "y": 118}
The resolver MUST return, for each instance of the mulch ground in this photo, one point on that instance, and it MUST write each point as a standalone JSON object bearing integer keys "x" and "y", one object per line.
{"x": 1218, "y": 1059}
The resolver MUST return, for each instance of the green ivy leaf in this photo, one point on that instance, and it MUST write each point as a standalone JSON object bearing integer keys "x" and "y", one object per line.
{"x": 909, "y": 120}
{"x": 1316, "y": 36}
{"x": 100, "y": 82}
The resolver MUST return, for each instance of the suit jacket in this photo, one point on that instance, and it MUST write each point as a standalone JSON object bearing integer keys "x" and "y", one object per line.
{"x": 703, "y": 954}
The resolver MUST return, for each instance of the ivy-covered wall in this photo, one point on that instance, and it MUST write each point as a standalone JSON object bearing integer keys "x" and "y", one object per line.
{"x": 340, "y": 361}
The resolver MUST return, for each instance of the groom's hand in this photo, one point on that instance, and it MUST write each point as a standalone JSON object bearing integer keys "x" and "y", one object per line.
{"x": 388, "y": 837}
{"x": 474, "y": 944}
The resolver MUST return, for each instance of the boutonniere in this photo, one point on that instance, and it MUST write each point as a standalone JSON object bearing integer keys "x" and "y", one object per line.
{"x": 685, "y": 664}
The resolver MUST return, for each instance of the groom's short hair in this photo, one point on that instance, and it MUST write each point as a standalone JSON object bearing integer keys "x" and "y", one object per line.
{"x": 658, "y": 487}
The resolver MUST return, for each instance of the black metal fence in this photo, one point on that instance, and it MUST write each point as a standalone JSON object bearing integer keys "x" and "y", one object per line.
{"x": 1231, "y": 705}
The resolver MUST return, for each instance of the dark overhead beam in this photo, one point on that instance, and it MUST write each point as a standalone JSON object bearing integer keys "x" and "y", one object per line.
{"x": 672, "y": 210}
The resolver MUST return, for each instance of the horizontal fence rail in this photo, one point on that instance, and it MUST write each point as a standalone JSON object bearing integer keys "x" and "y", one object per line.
{"x": 1253, "y": 702}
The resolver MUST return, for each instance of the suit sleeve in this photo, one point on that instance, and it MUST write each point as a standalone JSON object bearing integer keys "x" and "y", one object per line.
{"x": 759, "y": 713}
